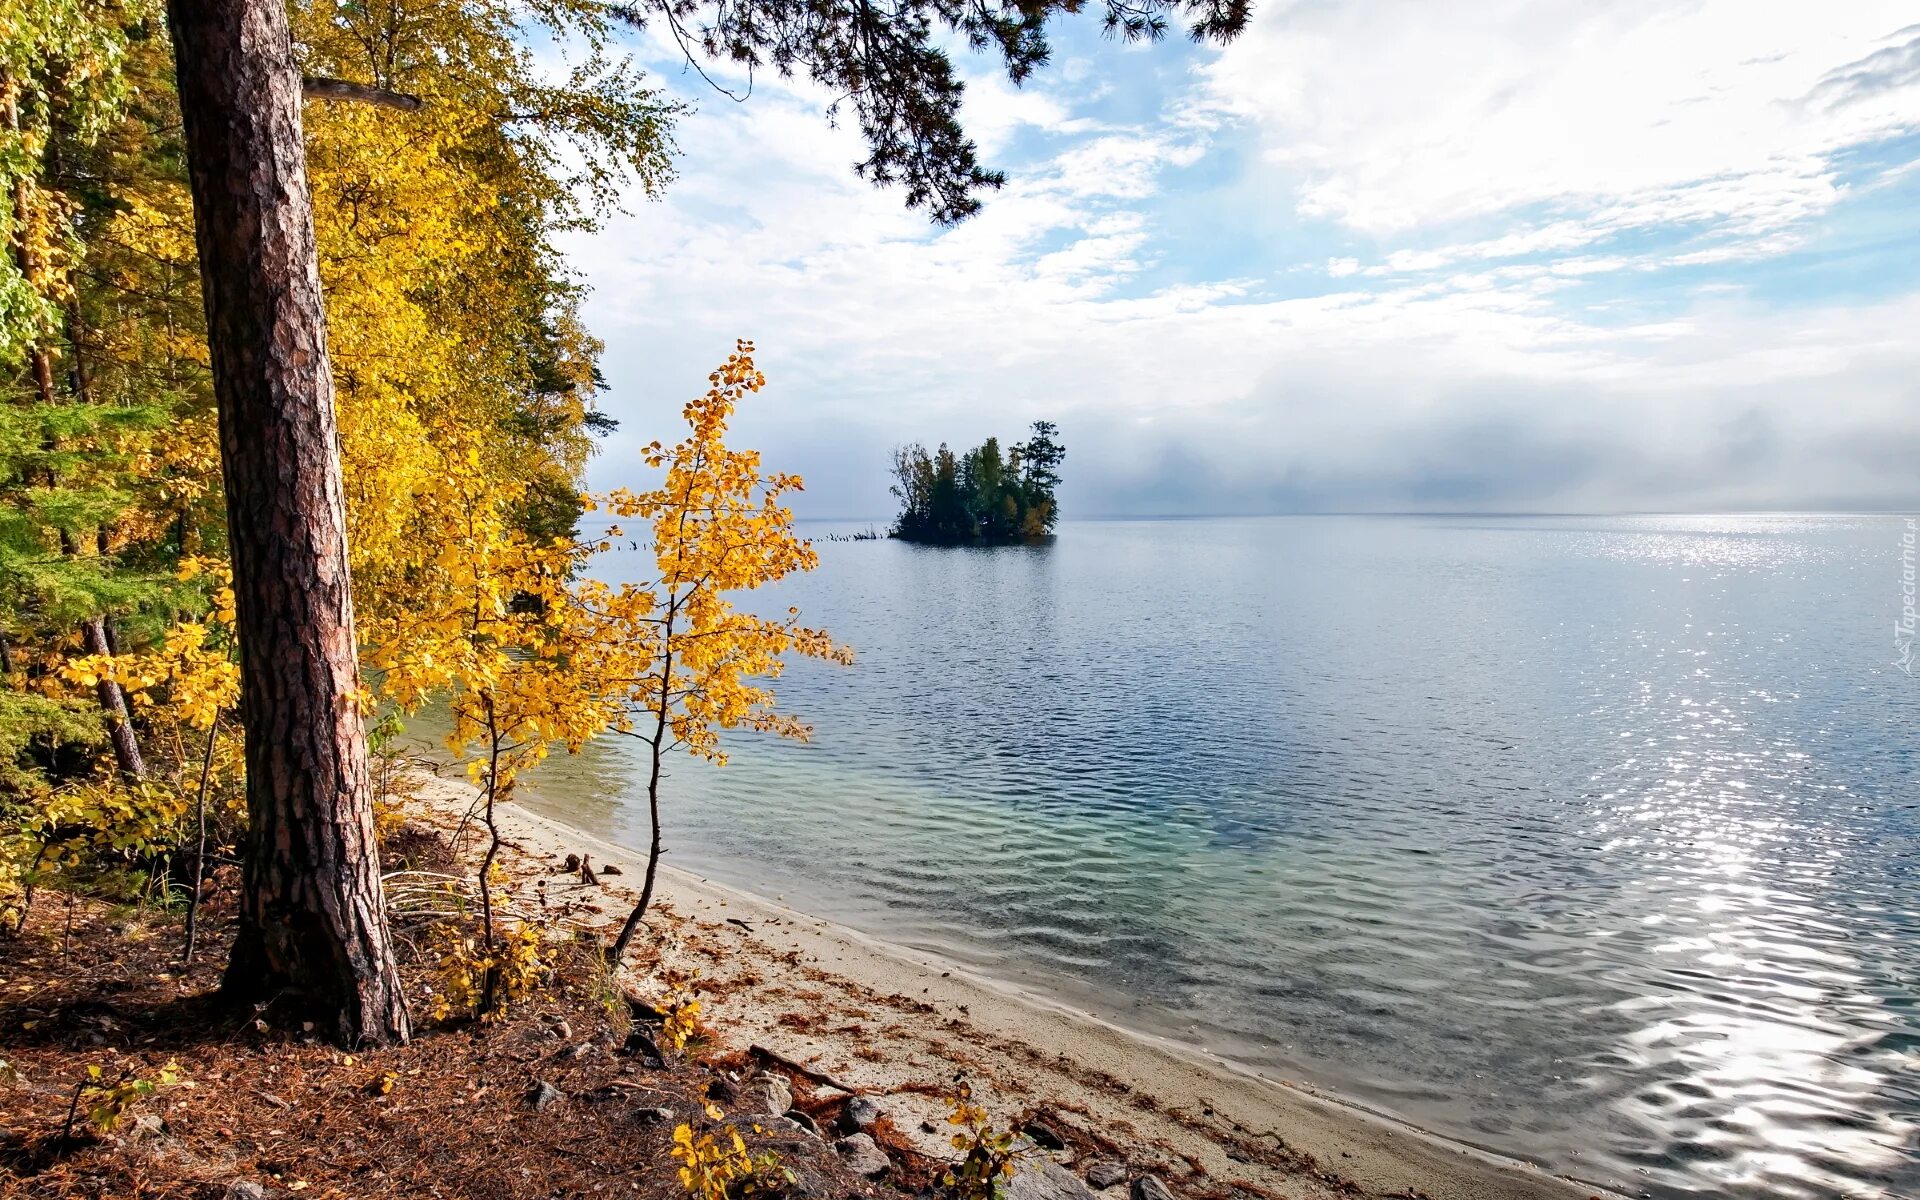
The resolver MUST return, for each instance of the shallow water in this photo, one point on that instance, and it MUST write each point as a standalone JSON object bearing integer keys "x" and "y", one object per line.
{"x": 1590, "y": 840}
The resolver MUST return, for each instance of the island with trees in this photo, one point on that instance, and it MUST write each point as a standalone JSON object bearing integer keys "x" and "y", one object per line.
{"x": 984, "y": 497}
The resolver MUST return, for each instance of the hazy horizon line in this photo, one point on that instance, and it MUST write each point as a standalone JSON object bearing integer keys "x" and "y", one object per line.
{"x": 882, "y": 522}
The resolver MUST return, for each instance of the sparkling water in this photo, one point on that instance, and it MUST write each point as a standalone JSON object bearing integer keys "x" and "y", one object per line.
{"x": 1590, "y": 840}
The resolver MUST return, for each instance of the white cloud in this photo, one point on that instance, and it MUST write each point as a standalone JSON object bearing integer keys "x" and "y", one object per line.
{"x": 1394, "y": 114}
{"x": 996, "y": 110}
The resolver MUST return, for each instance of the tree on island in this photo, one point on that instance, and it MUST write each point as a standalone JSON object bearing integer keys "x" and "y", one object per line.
{"x": 980, "y": 497}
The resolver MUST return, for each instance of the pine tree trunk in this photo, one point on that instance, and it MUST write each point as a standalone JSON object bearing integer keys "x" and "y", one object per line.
{"x": 312, "y": 918}
{"x": 113, "y": 701}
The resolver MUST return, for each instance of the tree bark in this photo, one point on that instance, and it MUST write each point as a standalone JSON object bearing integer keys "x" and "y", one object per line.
{"x": 313, "y": 919}
{"x": 113, "y": 701}
{"x": 657, "y": 748}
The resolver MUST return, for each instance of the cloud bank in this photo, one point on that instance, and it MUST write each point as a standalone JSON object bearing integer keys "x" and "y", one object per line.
{"x": 1378, "y": 256}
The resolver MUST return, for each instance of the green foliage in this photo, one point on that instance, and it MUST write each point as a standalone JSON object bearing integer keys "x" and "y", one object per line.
{"x": 73, "y": 50}
{"x": 61, "y": 473}
{"x": 979, "y": 498}
{"x": 550, "y": 508}
{"x": 35, "y": 732}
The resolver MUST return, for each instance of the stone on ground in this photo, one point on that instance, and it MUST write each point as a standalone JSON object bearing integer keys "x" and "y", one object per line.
{"x": 861, "y": 1113}
{"x": 767, "y": 1094}
{"x": 1148, "y": 1188}
{"x": 862, "y": 1156}
{"x": 1044, "y": 1179}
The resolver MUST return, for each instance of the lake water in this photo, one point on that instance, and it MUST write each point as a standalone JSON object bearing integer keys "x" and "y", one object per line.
{"x": 1591, "y": 840}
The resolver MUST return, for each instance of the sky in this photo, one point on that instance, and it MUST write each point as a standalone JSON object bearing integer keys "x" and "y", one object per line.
{"x": 1376, "y": 255}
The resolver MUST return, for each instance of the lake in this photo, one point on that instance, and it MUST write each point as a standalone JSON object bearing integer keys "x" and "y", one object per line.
{"x": 1590, "y": 840}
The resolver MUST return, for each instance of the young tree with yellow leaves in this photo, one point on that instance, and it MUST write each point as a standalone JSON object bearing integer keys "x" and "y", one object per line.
{"x": 719, "y": 526}
{"x": 526, "y": 652}
{"x": 533, "y": 652}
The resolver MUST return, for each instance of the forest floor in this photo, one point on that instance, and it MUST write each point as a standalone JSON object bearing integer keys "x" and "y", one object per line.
{"x": 458, "y": 1112}
{"x": 833, "y": 1053}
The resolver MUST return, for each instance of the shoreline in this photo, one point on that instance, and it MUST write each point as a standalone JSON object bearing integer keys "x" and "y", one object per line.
{"x": 897, "y": 1023}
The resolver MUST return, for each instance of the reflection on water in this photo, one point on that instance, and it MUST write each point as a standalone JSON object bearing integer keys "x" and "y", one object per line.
{"x": 1590, "y": 840}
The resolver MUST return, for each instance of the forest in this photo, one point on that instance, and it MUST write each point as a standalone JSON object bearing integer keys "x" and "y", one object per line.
{"x": 984, "y": 497}
{"x": 434, "y": 430}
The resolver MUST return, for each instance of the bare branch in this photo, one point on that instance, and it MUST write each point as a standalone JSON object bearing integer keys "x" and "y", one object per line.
{"x": 319, "y": 87}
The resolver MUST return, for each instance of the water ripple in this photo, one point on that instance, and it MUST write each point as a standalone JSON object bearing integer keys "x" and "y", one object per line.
{"x": 1592, "y": 840}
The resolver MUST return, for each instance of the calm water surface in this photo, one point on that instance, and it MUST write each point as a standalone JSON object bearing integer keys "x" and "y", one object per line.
{"x": 1592, "y": 840}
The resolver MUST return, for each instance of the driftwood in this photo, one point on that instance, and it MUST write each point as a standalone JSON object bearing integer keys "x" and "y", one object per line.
{"x": 801, "y": 1069}
{"x": 642, "y": 1009}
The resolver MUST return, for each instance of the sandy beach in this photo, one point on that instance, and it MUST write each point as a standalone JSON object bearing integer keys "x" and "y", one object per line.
{"x": 898, "y": 1025}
